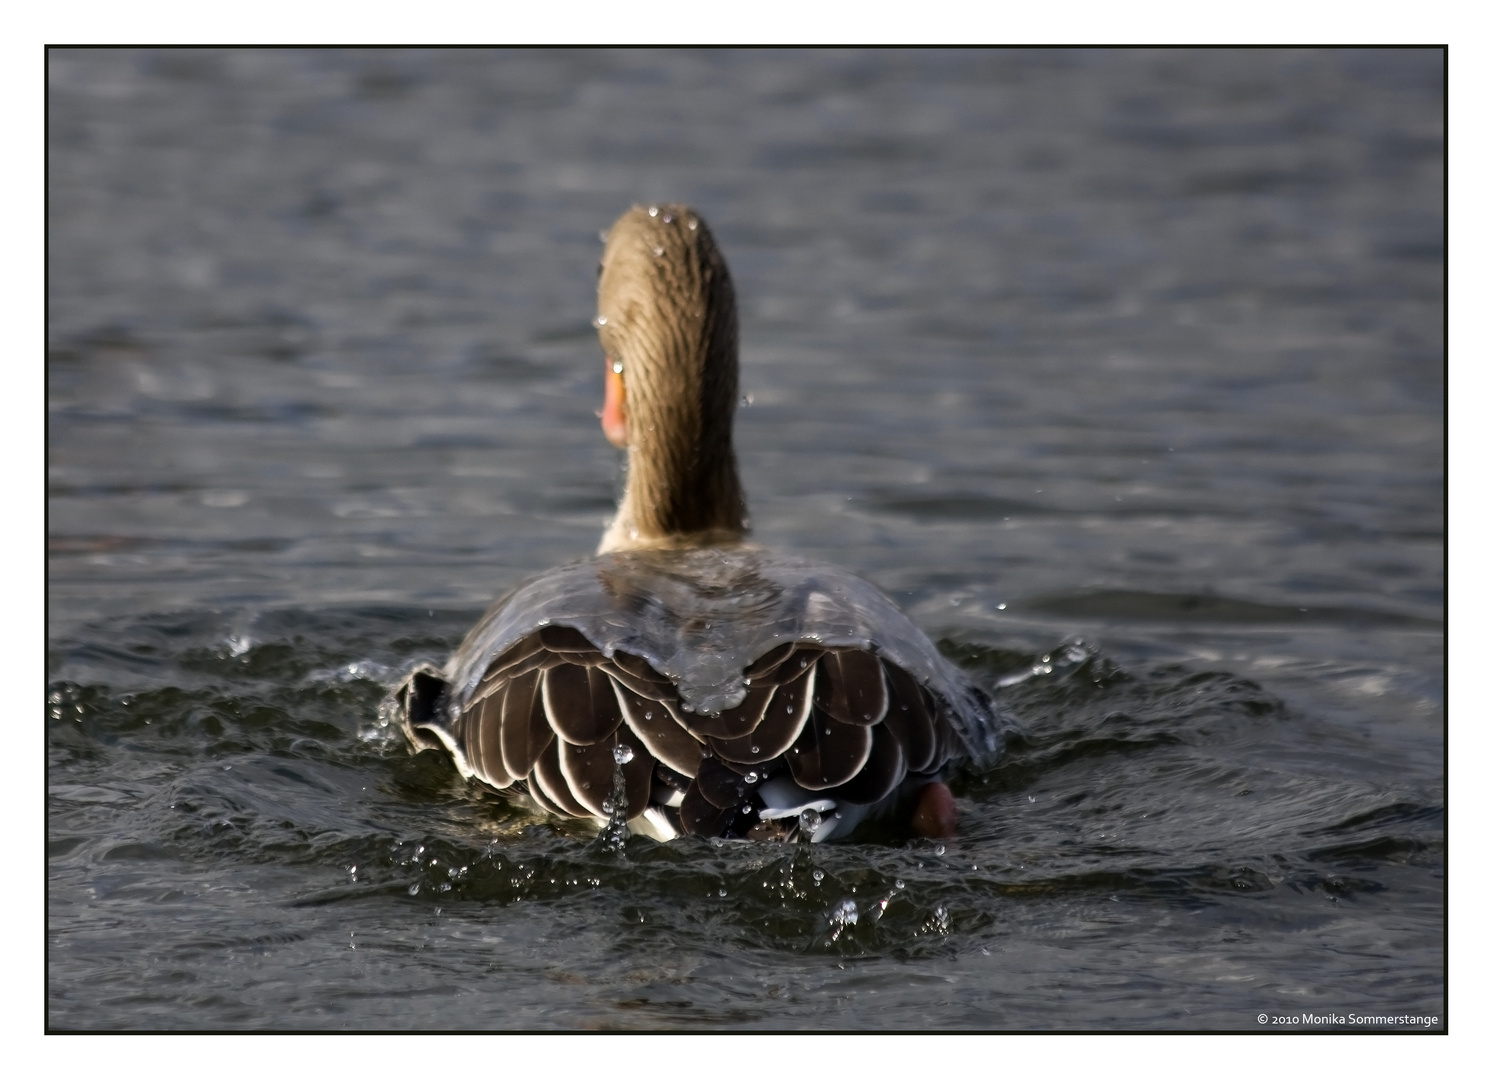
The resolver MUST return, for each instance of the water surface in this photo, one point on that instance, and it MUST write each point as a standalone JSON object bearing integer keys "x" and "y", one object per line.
{"x": 1121, "y": 371}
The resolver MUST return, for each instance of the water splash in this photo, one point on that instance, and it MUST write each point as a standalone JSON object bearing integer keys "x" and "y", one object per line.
{"x": 614, "y": 833}
{"x": 844, "y": 916}
{"x": 1065, "y": 657}
{"x": 938, "y": 922}
{"x": 808, "y": 825}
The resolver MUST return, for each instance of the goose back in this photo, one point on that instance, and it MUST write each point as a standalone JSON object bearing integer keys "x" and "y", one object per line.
{"x": 746, "y": 687}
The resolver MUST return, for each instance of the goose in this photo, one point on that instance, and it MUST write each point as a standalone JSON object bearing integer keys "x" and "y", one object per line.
{"x": 684, "y": 680}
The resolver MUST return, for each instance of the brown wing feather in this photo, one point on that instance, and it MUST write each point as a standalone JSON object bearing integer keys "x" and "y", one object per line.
{"x": 549, "y": 776}
{"x": 524, "y": 656}
{"x": 828, "y": 753}
{"x": 542, "y": 801}
{"x": 911, "y": 717}
{"x": 732, "y": 723}
{"x": 466, "y": 729}
{"x": 782, "y": 665}
{"x": 657, "y": 688}
{"x": 879, "y": 777}
{"x": 564, "y": 639}
{"x": 639, "y": 668}
{"x": 588, "y": 771}
{"x": 700, "y": 816}
{"x": 581, "y": 704}
{"x": 655, "y": 727}
{"x": 721, "y": 787}
{"x": 525, "y": 729}
{"x": 764, "y": 665}
{"x": 638, "y": 772}
{"x": 484, "y": 740}
{"x": 787, "y": 712}
{"x": 516, "y": 653}
{"x": 850, "y": 687}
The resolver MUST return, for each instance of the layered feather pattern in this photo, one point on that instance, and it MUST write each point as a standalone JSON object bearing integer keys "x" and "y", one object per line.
{"x": 841, "y": 725}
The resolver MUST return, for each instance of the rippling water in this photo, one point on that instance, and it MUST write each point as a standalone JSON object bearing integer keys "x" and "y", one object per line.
{"x": 1121, "y": 371}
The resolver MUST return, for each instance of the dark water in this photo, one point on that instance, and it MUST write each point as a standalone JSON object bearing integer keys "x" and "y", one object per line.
{"x": 1121, "y": 371}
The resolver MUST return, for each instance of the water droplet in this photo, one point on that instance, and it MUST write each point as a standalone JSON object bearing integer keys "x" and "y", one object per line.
{"x": 1000, "y": 607}
{"x": 668, "y": 219}
{"x": 750, "y": 778}
{"x": 648, "y": 715}
{"x": 622, "y": 754}
{"x": 693, "y": 224}
{"x": 938, "y": 850}
{"x": 900, "y": 884}
{"x": 721, "y": 892}
{"x": 845, "y": 913}
{"x": 601, "y": 320}
{"x": 658, "y": 252}
{"x": 653, "y": 211}
{"x": 809, "y": 821}
{"x": 818, "y": 875}
{"x": 755, "y": 750}
{"x": 607, "y": 806}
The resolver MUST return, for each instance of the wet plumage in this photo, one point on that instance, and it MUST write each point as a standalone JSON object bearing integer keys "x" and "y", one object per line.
{"x": 736, "y": 688}
{"x": 747, "y": 686}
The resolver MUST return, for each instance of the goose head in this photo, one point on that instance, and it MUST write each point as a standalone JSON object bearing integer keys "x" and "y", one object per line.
{"x": 666, "y": 316}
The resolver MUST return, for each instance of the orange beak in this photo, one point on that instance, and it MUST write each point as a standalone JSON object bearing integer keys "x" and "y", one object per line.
{"x": 614, "y": 410}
